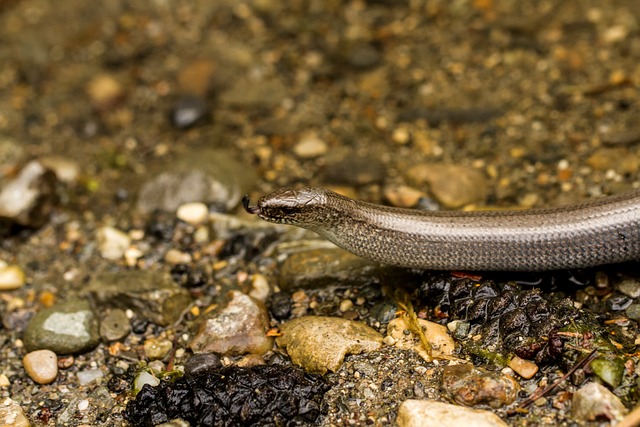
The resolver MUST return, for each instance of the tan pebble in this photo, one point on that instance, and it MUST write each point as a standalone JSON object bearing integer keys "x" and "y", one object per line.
{"x": 41, "y": 366}
{"x": 11, "y": 277}
{"x": 522, "y": 367}
{"x": 310, "y": 146}
{"x": 403, "y": 196}
{"x": 105, "y": 91}
{"x": 195, "y": 213}
{"x": 4, "y": 381}
{"x": 346, "y": 305}
{"x": 175, "y": 257}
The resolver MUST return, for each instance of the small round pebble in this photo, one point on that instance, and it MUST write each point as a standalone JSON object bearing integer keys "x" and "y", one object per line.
{"x": 11, "y": 277}
{"x": 195, "y": 213}
{"x": 41, "y": 366}
{"x": 157, "y": 348}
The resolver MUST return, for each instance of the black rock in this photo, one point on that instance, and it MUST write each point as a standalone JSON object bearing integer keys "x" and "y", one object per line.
{"x": 257, "y": 396}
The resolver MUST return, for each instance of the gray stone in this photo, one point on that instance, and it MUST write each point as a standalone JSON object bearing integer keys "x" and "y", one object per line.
{"x": 212, "y": 177}
{"x": 633, "y": 312}
{"x": 67, "y": 328}
{"x": 320, "y": 344}
{"x": 318, "y": 268}
{"x": 350, "y": 168}
{"x": 237, "y": 328}
{"x": 115, "y": 325}
{"x": 630, "y": 287}
{"x": 153, "y": 295}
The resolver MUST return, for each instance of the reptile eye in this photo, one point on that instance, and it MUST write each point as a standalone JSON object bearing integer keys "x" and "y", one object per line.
{"x": 288, "y": 211}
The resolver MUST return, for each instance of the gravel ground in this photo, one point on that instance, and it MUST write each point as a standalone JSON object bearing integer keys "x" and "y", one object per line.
{"x": 135, "y": 108}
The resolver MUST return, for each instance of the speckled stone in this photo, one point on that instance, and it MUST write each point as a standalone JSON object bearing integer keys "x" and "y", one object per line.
{"x": 41, "y": 366}
{"x": 238, "y": 328}
{"x": 11, "y": 414}
{"x": 594, "y": 401}
{"x": 319, "y": 344}
{"x": 66, "y": 328}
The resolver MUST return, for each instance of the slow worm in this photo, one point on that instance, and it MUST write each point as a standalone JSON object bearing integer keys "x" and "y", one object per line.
{"x": 600, "y": 231}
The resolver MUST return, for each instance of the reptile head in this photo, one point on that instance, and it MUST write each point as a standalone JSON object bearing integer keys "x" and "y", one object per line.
{"x": 296, "y": 206}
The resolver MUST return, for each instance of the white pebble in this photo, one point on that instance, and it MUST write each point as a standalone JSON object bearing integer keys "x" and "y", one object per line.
{"x": 259, "y": 287}
{"x": 11, "y": 277}
{"x": 112, "y": 243}
{"x": 41, "y": 366}
{"x": 83, "y": 405}
{"x": 195, "y": 213}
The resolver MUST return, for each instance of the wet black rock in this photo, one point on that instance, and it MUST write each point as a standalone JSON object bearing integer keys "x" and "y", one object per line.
{"x": 256, "y": 396}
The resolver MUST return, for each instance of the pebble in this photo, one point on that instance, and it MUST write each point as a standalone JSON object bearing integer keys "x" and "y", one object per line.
{"x": 195, "y": 213}
{"x": 453, "y": 186}
{"x": 470, "y": 386}
{"x": 104, "y": 91}
{"x": 143, "y": 378}
{"x": 318, "y": 268}
{"x": 175, "y": 257}
{"x": 403, "y": 196}
{"x": 259, "y": 287}
{"x": 29, "y": 198}
{"x": 114, "y": 325}
{"x": 11, "y": 277}
{"x": 152, "y": 295}
{"x": 427, "y": 413}
{"x": 66, "y": 170}
{"x": 188, "y": 110}
{"x": 437, "y": 335}
{"x": 212, "y": 177}
{"x": 4, "y": 381}
{"x": 310, "y": 146}
{"x": 41, "y": 366}
{"x": 157, "y": 348}
{"x": 69, "y": 327}
{"x": 630, "y": 287}
{"x": 594, "y": 402}
{"x": 85, "y": 377}
{"x": 235, "y": 329}
{"x": 633, "y": 312}
{"x": 525, "y": 368}
{"x": 320, "y": 344}
{"x": 200, "y": 363}
{"x": 11, "y": 414}
{"x": 112, "y": 243}
{"x": 610, "y": 371}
